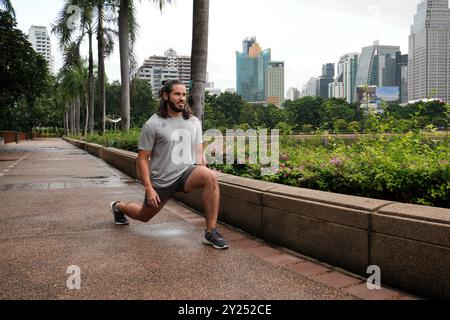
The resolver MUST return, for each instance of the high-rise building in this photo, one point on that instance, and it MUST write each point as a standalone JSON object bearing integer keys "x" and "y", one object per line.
{"x": 275, "y": 83}
{"x": 377, "y": 66}
{"x": 429, "y": 52}
{"x": 324, "y": 80}
{"x": 156, "y": 75}
{"x": 328, "y": 70}
{"x": 347, "y": 71}
{"x": 402, "y": 76}
{"x": 310, "y": 88}
{"x": 157, "y": 69}
{"x": 40, "y": 41}
{"x": 251, "y": 71}
{"x": 336, "y": 90}
{"x": 292, "y": 94}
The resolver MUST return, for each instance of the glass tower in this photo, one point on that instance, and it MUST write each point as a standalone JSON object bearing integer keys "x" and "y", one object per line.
{"x": 429, "y": 52}
{"x": 377, "y": 66}
{"x": 251, "y": 71}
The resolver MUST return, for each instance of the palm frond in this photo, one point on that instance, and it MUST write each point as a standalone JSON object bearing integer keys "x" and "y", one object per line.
{"x": 7, "y": 5}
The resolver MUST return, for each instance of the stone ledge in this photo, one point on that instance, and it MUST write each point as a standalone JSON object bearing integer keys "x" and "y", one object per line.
{"x": 347, "y": 201}
{"x": 423, "y": 213}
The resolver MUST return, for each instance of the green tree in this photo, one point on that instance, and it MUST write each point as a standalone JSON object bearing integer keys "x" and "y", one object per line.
{"x": 23, "y": 74}
{"x": 105, "y": 46}
{"x": 230, "y": 104}
{"x": 113, "y": 91}
{"x": 339, "y": 125}
{"x": 354, "y": 126}
{"x": 143, "y": 105}
{"x": 73, "y": 79}
{"x": 72, "y": 28}
{"x": 334, "y": 109}
{"x": 307, "y": 110}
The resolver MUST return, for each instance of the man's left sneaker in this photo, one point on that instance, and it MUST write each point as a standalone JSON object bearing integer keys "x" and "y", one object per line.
{"x": 215, "y": 239}
{"x": 119, "y": 217}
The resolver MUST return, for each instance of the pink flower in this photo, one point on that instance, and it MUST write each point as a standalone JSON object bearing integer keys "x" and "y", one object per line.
{"x": 336, "y": 161}
{"x": 284, "y": 157}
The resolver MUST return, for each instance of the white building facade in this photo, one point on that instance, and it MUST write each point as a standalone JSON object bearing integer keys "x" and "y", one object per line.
{"x": 157, "y": 69}
{"x": 40, "y": 41}
{"x": 275, "y": 83}
{"x": 429, "y": 52}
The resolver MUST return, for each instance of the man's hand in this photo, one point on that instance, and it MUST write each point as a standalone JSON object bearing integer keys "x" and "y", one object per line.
{"x": 153, "y": 198}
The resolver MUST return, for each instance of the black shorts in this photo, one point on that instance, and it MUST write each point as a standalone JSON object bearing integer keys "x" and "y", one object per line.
{"x": 165, "y": 194}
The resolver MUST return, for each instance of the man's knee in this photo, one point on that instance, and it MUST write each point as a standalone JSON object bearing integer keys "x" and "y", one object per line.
{"x": 211, "y": 178}
{"x": 149, "y": 213}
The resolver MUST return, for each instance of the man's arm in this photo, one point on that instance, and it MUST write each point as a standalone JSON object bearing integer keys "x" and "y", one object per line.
{"x": 200, "y": 156}
{"x": 144, "y": 169}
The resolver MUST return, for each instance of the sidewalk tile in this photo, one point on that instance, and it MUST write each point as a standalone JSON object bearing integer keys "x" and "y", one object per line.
{"x": 361, "y": 291}
{"x": 337, "y": 280}
{"x": 282, "y": 259}
{"x": 309, "y": 269}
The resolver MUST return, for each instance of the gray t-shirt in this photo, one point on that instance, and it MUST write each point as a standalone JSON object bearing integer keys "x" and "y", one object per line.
{"x": 172, "y": 143}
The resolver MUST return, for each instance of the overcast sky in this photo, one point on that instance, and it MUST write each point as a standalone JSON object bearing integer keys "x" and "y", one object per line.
{"x": 303, "y": 33}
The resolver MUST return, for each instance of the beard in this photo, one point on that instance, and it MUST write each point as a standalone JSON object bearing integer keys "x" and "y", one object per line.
{"x": 174, "y": 107}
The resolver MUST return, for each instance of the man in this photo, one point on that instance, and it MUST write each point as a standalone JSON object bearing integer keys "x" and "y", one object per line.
{"x": 171, "y": 159}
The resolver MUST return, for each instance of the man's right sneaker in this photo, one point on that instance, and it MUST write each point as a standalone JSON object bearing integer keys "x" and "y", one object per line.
{"x": 119, "y": 217}
{"x": 215, "y": 239}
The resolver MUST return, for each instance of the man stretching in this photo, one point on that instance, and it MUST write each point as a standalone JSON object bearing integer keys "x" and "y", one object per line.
{"x": 171, "y": 159}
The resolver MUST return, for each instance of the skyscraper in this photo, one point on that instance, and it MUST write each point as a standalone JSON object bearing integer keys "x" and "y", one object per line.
{"x": 293, "y": 94}
{"x": 40, "y": 41}
{"x": 377, "y": 66}
{"x": 310, "y": 88}
{"x": 328, "y": 70}
{"x": 251, "y": 71}
{"x": 275, "y": 83}
{"x": 402, "y": 76}
{"x": 324, "y": 80}
{"x": 336, "y": 90}
{"x": 429, "y": 52}
{"x": 347, "y": 71}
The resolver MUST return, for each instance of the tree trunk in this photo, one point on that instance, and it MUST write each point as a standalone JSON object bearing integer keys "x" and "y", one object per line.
{"x": 124, "y": 44}
{"x": 199, "y": 56}
{"x": 101, "y": 65}
{"x": 87, "y": 115}
{"x": 77, "y": 115}
{"x": 66, "y": 122}
{"x": 72, "y": 118}
{"x": 91, "y": 85}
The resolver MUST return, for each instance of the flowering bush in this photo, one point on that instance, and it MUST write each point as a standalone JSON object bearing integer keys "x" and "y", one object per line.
{"x": 411, "y": 168}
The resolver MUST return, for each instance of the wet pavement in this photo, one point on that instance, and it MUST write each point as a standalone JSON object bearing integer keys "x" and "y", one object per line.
{"x": 55, "y": 214}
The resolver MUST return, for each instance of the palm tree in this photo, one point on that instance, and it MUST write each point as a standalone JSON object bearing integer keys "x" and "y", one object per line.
{"x": 199, "y": 56}
{"x": 84, "y": 27}
{"x": 7, "y": 5}
{"x": 105, "y": 41}
{"x": 74, "y": 86}
{"x": 124, "y": 45}
{"x": 127, "y": 36}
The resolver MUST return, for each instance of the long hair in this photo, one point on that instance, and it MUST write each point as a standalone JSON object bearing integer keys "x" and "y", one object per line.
{"x": 164, "y": 105}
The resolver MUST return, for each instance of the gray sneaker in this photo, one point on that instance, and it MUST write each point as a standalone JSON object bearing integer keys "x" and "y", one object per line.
{"x": 215, "y": 239}
{"x": 119, "y": 217}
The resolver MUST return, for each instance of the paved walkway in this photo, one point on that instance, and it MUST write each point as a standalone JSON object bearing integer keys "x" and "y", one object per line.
{"x": 55, "y": 214}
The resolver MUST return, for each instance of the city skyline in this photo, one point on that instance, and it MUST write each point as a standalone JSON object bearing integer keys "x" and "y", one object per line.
{"x": 303, "y": 57}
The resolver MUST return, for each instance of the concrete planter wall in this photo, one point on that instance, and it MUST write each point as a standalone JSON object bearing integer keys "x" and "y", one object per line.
{"x": 410, "y": 243}
{"x": 12, "y": 136}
